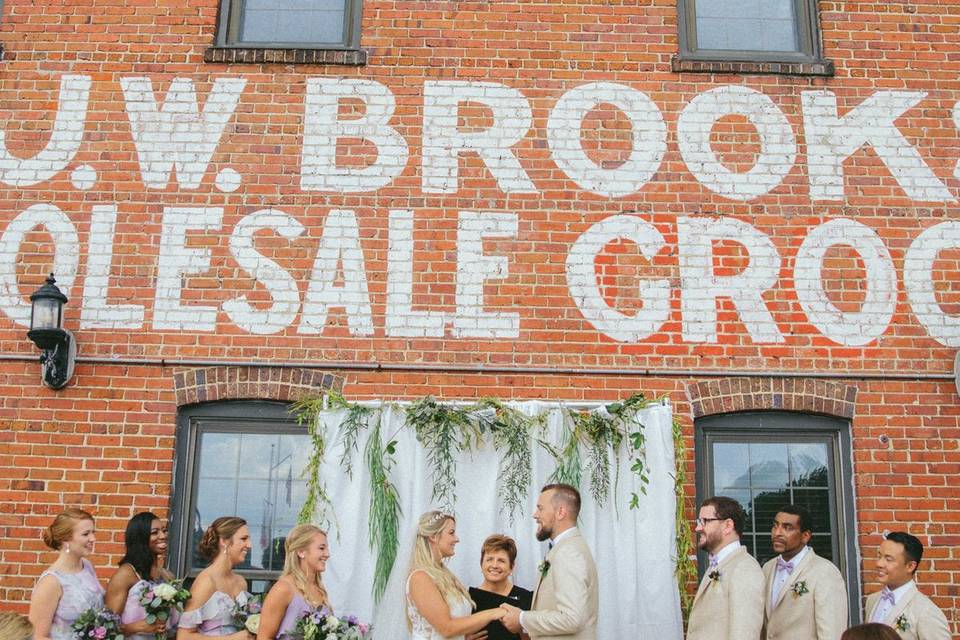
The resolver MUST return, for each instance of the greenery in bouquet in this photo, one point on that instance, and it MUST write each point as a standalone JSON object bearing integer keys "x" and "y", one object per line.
{"x": 160, "y": 599}
{"x": 97, "y": 624}
{"x": 247, "y": 615}
{"x": 321, "y": 624}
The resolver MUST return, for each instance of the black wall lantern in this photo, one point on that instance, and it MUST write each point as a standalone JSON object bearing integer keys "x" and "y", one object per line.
{"x": 47, "y": 332}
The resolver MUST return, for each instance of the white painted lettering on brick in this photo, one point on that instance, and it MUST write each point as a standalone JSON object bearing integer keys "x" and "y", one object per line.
{"x": 97, "y": 313}
{"x": 831, "y": 139}
{"x": 339, "y": 248}
{"x": 65, "y": 138}
{"x": 403, "y": 321}
{"x": 956, "y": 122}
{"x": 278, "y": 282}
{"x": 322, "y": 129}
{"x": 778, "y": 145}
{"x": 701, "y": 286}
{"x": 586, "y": 294}
{"x": 918, "y": 268}
{"x": 178, "y": 260}
{"x": 178, "y": 135}
{"x": 847, "y": 328}
{"x": 564, "y": 128}
{"x": 66, "y": 256}
{"x": 444, "y": 140}
{"x": 474, "y": 269}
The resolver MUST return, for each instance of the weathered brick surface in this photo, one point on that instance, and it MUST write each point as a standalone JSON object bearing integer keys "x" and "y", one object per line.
{"x": 502, "y": 185}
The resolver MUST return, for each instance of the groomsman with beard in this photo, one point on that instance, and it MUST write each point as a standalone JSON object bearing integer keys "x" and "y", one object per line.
{"x": 566, "y": 600}
{"x": 806, "y": 597}
{"x": 729, "y": 602}
{"x": 900, "y": 604}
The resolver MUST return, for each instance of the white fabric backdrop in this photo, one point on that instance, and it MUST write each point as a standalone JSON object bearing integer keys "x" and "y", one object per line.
{"x": 634, "y": 549}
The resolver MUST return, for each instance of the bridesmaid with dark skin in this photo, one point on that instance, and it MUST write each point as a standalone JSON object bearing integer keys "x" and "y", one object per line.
{"x": 146, "y": 545}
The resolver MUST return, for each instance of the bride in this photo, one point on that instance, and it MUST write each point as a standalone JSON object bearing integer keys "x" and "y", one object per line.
{"x": 438, "y": 604}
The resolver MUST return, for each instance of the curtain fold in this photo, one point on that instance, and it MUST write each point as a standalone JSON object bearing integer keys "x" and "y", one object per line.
{"x": 634, "y": 549}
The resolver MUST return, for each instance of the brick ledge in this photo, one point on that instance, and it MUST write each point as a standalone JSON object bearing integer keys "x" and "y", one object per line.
{"x": 824, "y": 68}
{"x": 250, "y": 55}
{"x": 210, "y": 384}
{"x": 728, "y": 395}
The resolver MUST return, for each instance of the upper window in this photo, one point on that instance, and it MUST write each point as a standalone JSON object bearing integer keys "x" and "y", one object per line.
{"x": 289, "y": 24}
{"x": 243, "y": 459}
{"x": 766, "y": 460}
{"x": 751, "y": 31}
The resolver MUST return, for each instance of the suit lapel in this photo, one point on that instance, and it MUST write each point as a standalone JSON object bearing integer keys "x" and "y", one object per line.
{"x": 548, "y": 559}
{"x": 794, "y": 576}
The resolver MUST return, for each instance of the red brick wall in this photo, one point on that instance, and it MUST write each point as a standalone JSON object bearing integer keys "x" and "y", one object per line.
{"x": 110, "y": 434}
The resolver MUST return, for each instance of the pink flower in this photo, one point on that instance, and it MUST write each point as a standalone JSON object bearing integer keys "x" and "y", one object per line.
{"x": 100, "y": 633}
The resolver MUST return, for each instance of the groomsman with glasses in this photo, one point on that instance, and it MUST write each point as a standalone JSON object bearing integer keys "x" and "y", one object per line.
{"x": 805, "y": 595}
{"x": 729, "y": 602}
{"x": 900, "y": 604}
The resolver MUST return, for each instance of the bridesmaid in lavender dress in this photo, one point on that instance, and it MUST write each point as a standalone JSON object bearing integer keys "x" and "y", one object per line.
{"x": 146, "y": 545}
{"x": 70, "y": 586}
{"x": 300, "y": 587}
{"x": 217, "y": 590}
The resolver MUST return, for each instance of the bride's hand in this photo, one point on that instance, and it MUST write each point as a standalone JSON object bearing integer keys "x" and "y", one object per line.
{"x": 498, "y": 613}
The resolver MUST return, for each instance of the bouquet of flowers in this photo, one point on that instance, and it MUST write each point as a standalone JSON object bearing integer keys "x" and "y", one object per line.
{"x": 321, "y": 624}
{"x": 160, "y": 599}
{"x": 247, "y": 615}
{"x": 97, "y": 624}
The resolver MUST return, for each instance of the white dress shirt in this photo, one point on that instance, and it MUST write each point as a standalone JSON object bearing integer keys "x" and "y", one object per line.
{"x": 782, "y": 576}
{"x": 884, "y": 606}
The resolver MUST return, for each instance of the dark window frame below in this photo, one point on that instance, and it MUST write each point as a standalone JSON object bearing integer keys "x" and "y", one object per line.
{"x": 234, "y": 415}
{"x": 808, "y": 61}
{"x": 787, "y": 427}
{"x": 229, "y": 48}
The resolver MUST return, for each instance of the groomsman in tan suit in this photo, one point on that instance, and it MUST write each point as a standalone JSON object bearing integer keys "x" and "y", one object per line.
{"x": 900, "y": 604}
{"x": 806, "y": 597}
{"x": 566, "y": 600}
{"x": 729, "y": 602}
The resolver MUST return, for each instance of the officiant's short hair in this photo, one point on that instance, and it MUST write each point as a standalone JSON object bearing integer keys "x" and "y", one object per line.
{"x": 568, "y": 495}
{"x": 499, "y": 542}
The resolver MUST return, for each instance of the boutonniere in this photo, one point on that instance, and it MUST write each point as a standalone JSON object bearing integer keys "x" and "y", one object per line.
{"x": 714, "y": 575}
{"x": 799, "y": 588}
{"x": 543, "y": 567}
{"x": 902, "y": 623}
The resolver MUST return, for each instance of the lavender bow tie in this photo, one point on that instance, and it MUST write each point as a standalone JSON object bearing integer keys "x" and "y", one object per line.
{"x": 714, "y": 562}
{"x": 887, "y": 595}
{"x": 783, "y": 565}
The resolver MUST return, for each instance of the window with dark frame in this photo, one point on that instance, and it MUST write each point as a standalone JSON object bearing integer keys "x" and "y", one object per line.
{"x": 238, "y": 458}
{"x": 766, "y": 460}
{"x": 782, "y": 34}
{"x": 289, "y": 24}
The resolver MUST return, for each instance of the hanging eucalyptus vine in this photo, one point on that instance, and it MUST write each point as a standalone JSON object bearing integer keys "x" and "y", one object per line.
{"x": 444, "y": 430}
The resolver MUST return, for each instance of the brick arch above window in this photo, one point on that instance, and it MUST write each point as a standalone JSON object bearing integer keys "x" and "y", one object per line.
{"x": 728, "y": 395}
{"x": 209, "y": 384}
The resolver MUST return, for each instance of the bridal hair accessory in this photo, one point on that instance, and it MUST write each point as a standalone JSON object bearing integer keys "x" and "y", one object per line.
{"x": 440, "y": 515}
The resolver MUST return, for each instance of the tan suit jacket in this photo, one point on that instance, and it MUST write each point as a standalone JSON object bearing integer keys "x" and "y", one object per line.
{"x": 566, "y": 600}
{"x": 819, "y": 614}
{"x": 922, "y": 620}
{"x": 730, "y": 607}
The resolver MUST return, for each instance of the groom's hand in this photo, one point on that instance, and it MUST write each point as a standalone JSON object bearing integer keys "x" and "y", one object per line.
{"x": 479, "y": 635}
{"x": 512, "y": 620}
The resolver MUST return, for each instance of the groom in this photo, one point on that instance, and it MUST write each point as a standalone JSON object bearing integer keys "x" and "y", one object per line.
{"x": 565, "y": 602}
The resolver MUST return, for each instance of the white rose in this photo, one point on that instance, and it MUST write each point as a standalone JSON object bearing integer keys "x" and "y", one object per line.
{"x": 165, "y": 591}
{"x": 253, "y": 623}
{"x": 331, "y": 624}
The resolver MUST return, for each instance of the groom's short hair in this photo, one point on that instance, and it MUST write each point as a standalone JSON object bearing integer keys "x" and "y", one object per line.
{"x": 566, "y": 494}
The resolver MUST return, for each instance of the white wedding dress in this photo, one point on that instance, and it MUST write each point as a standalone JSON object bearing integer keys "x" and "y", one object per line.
{"x": 421, "y": 629}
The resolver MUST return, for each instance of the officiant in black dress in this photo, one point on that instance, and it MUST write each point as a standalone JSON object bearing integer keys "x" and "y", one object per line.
{"x": 497, "y": 559}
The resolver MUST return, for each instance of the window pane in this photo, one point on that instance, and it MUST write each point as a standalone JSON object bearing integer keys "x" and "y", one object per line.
{"x": 768, "y": 465}
{"x": 746, "y": 25}
{"x": 293, "y": 21}
{"x": 808, "y": 465}
{"x": 730, "y": 460}
{"x": 257, "y": 477}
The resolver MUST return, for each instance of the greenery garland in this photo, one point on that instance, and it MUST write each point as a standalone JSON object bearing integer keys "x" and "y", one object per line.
{"x": 444, "y": 430}
{"x": 686, "y": 568}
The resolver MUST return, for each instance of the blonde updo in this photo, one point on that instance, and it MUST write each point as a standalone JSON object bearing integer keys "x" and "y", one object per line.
{"x": 222, "y": 528}
{"x": 431, "y": 525}
{"x": 61, "y": 529}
